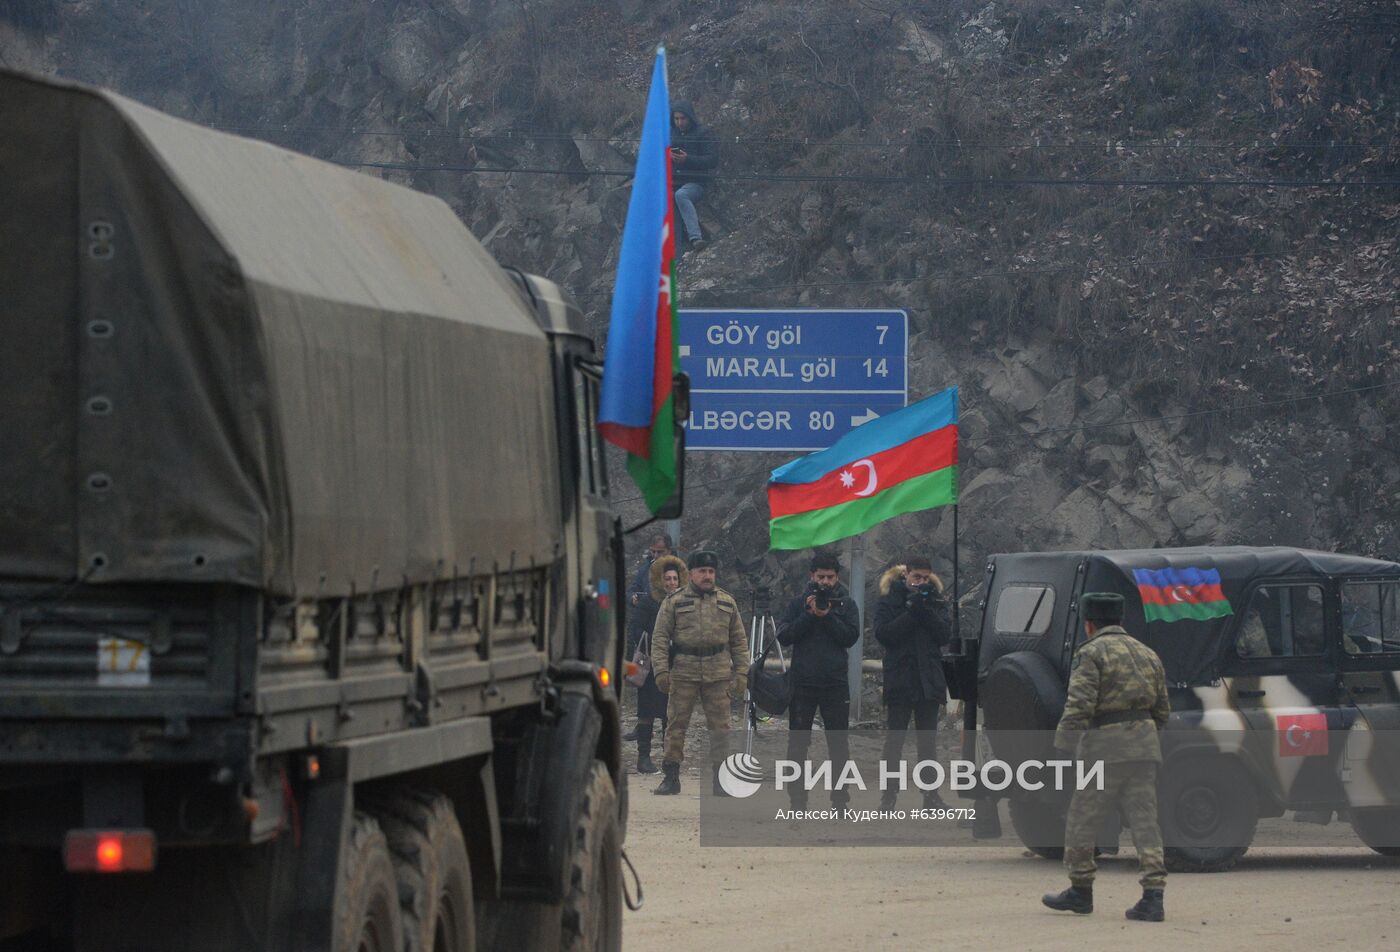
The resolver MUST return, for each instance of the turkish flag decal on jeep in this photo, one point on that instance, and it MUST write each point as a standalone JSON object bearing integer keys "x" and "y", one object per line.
{"x": 1302, "y": 735}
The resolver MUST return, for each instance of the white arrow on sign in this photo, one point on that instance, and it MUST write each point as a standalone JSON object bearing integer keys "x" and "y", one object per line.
{"x": 866, "y": 417}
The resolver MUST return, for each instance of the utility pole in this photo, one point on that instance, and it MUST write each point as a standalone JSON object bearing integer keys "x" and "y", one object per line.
{"x": 855, "y": 556}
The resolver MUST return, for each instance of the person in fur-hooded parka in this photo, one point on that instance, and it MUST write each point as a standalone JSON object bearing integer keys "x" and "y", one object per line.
{"x": 668, "y": 574}
{"x": 911, "y": 622}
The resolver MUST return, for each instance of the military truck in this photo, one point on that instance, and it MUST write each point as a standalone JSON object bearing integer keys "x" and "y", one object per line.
{"x": 1282, "y": 666}
{"x": 307, "y": 631}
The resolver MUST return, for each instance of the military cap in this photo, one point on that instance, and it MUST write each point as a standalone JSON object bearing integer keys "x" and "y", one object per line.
{"x": 703, "y": 559}
{"x": 1101, "y": 607}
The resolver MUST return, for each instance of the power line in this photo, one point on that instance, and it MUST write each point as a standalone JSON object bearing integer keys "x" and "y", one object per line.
{"x": 926, "y": 180}
{"x": 946, "y": 276}
{"x": 975, "y": 276}
{"x": 1107, "y": 145}
{"x": 1045, "y": 431}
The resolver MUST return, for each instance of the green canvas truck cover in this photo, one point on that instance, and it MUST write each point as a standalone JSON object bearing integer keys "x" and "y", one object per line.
{"x": 226, "y": 362}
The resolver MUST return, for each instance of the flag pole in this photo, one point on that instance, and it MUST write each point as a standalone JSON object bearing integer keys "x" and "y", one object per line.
{"x": 957, "y": 629}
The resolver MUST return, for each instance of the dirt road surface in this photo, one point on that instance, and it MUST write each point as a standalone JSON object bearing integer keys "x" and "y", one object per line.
{"x": 980, "y": 897}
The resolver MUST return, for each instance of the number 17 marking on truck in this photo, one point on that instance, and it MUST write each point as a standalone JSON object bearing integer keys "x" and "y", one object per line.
{"x": 122, "y": 663}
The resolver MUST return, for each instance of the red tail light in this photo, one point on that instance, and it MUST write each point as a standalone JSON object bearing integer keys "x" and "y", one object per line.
{"x": 109, "y": 851}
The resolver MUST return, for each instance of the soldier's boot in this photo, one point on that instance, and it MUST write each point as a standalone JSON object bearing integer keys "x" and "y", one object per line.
{"x": 632, "y": 734}
{"x": 888, "y": 798}
{"x": 933, "y": 801}
{"x": 1148, "y": 908}
{"x": 644, "y": 764}
{"x": 671, "y": 780}
{"x": 717, "y": 789}
{"x": 1078, "y": 899}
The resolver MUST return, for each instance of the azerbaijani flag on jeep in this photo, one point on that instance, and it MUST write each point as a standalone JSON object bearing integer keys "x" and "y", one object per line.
{"x": 1174, "y": 594}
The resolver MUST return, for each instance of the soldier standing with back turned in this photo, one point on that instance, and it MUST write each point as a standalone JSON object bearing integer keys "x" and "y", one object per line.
{"x": 699, "y": 651}
{"x": 1117, "y": 703}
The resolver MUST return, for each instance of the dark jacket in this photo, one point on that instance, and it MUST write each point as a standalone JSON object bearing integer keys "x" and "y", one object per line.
{"x": 640, "y": 621}
{"x": 913, "y": 640}
{"x": 701, "y": 158}
{"x": 641, "y": 582}
{"x": 820, "y": 645}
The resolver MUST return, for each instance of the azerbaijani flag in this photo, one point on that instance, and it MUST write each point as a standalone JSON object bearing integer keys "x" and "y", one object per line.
{"x": 903, "y": 462}
{"x": 636, "y": 408}
{"x": 1175, "y": 594}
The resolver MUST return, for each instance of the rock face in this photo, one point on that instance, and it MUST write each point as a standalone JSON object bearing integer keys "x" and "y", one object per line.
{"x": 1125, "y": 356}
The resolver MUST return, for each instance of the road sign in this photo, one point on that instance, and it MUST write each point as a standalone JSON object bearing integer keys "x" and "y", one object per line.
{"x": 797, "y": 380}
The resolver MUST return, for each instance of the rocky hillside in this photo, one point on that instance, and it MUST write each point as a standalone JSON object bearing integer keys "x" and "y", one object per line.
{"x": 1114, "y": 223}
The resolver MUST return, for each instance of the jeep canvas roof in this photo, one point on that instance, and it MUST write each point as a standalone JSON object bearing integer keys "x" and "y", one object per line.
{"x": 1046, "y": 622}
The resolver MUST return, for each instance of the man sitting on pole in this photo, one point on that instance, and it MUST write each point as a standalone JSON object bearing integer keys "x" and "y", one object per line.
{"x": 911, "y": 622}
{"x": 821, "y": 625}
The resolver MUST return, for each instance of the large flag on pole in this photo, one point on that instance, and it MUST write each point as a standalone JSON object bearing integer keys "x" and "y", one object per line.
{"x": 636, "y": 409}
{"x": 903, "y": 462}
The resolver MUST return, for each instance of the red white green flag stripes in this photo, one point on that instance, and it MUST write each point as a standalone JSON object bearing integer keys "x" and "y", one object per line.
{"x": 636, "y": 409}
{"x": 904, "y": 462}
{"x": 1178, "y": 594}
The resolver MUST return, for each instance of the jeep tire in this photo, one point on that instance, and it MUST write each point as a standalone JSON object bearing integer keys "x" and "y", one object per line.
{"x": 1040, "y": 825}
{"x": 1208, "y": 810}
{"x": 1378, "y": 828}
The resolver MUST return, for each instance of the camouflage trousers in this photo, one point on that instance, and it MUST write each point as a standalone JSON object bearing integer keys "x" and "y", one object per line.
{"x": 1132, "y": 787}
{"x": 714, "y": 696}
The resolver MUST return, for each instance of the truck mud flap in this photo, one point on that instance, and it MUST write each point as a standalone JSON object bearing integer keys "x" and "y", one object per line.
{"x": 552, "y": 762}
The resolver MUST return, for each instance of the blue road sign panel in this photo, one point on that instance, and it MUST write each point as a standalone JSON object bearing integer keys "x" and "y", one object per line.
{"x": 766, "y": 380}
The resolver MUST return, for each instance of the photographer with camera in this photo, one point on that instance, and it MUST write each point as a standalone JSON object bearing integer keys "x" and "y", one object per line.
{"x": 820, "y": 625}
{"x": 912, "y": 623}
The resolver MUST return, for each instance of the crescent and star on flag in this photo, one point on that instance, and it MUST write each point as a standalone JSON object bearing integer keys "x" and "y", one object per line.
{"x": 1302, "y": 735}
{"x": 848, "y": 479}
{"x": 664, "y": 303}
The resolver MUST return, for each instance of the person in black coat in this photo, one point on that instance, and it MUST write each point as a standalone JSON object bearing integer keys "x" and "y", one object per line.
{"x": 693, "y": 159}
{"x": 820, "y": 625}
{"x": 668, "y": 575}
{"x": 911, "y": 622}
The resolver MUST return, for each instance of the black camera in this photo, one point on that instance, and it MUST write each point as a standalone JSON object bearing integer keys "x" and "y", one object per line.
{"x": 821, "y": 597}
{"x": 924, "y": 596}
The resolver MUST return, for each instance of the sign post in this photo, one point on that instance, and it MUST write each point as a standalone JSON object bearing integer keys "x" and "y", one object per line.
{"x": 856, "y": 553}
{"x": 790, "y": 380}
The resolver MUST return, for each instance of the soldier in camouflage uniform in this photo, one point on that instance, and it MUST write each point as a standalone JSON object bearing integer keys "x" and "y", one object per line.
{"x": 699, "y": 651}
{"x": 1117, "y": 703}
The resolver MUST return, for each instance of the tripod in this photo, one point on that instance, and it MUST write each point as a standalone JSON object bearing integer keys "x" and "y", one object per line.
{"x": 761, "y": 625}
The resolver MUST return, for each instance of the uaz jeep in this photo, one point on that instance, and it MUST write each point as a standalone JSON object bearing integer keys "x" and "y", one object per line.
{"x": 1282, "y": 665}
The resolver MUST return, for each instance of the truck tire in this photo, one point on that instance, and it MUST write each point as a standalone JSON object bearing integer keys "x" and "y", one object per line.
{"x": 1208, "y": 809}
{"x": 367, "y": 915}
{"x": 1040, "y": 825}
{"x": 434, "y": 874}
{"x": 1378, "y": 828}
{"x": 592, "y": 911}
